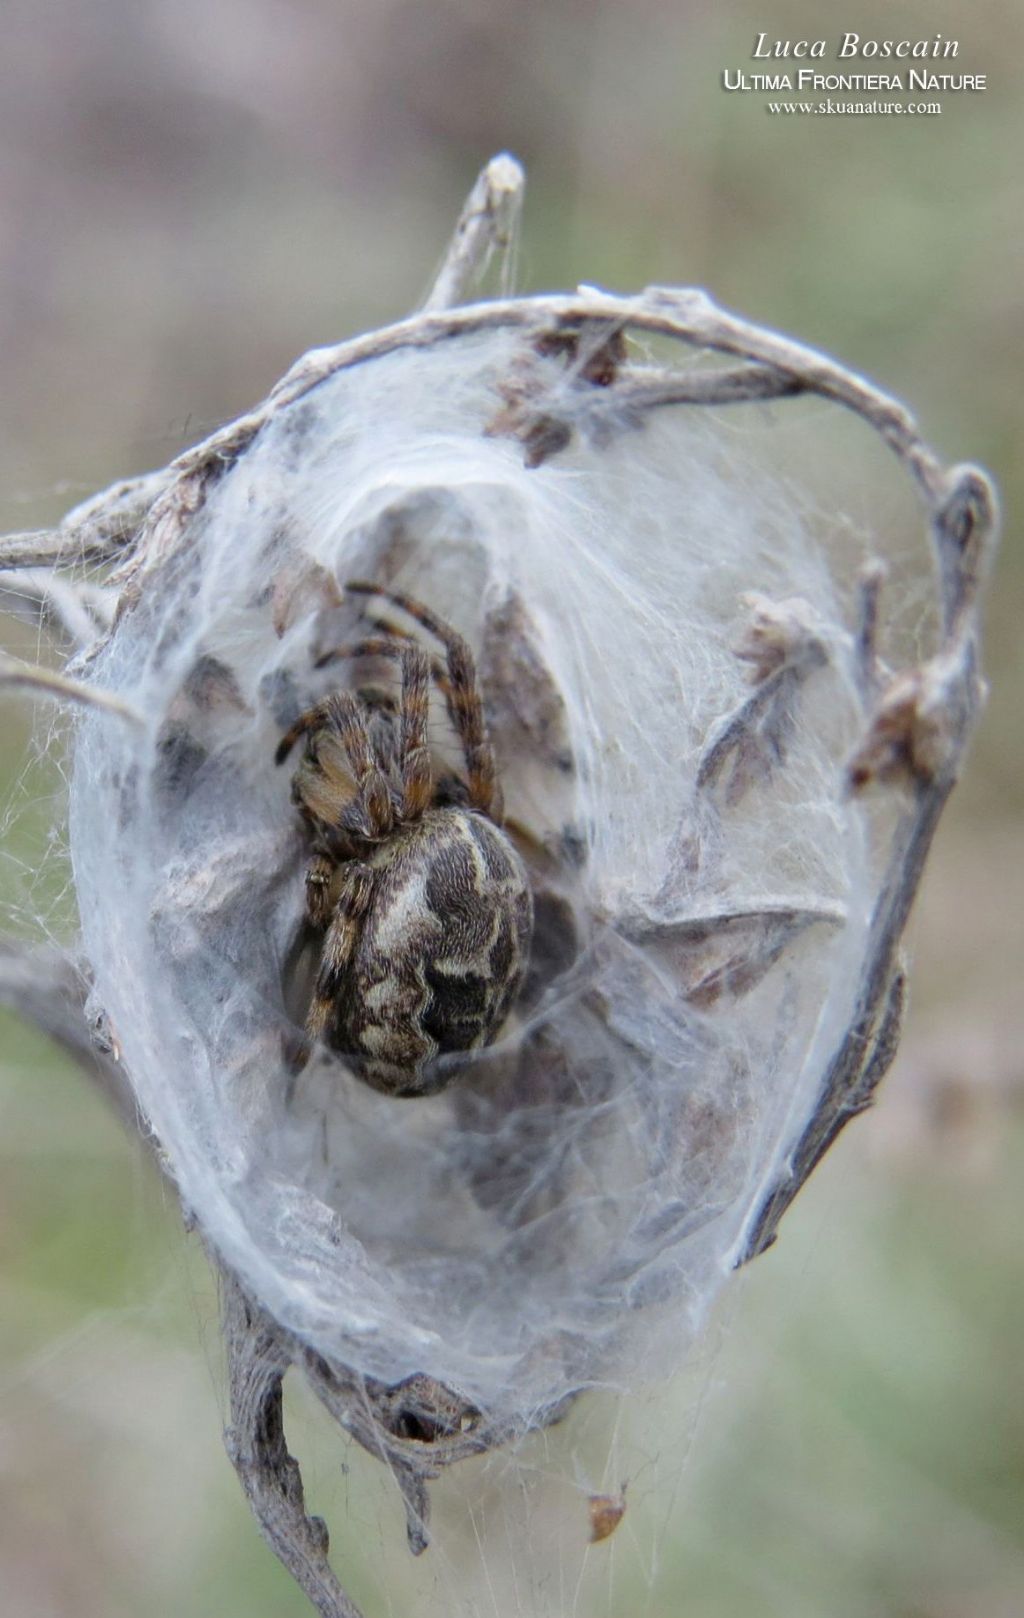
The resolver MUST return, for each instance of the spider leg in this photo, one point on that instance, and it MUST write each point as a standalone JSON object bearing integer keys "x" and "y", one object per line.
{"x": 391, "y": 642}
{"x": 466, "y": 710}
{"x": 417, "y": 777}
{"x": 408, "y": 604}
{"x": 342, "y": 744}
{"x": 465, "y": 705}
{"x": 339, "y": 945}
{"x": 374, "y": 646}
{"x": 319, "y": 875}
{"x": 344, "y": 718}
{"x": 417, "y": 780}
{"x": 305, "y": 722}
{"x": 385, "y": 628}
{"x": 722, "y": 956}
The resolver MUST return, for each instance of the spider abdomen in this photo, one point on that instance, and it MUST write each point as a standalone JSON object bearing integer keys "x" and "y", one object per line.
{"x": 442, "y": 949}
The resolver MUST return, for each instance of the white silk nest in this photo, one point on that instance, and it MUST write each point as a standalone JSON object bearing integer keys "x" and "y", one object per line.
{"x": 563, "y": 1212}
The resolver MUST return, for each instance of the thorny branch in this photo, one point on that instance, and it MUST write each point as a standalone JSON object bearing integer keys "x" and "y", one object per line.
{"x": 916, "y": 725}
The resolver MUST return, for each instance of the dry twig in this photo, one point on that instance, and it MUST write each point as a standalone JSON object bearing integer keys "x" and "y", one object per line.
{"x": 29, "y": 677}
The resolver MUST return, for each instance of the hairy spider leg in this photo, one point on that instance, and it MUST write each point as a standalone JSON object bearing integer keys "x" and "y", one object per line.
{"x": 414, "y": 706}
{"x": 391, "y": 643}
{"x": 447, "y": 786}
{"x": 305, "y": 722}
{"x": 319, "y": 876}
{"x": 339, "y": 718}
{"x": 417, "y": 777}
{"x": 339, "y": 944}
{"x": 384, "y": 626}
{"x": 465, "y": 707}
{"x": 379, "y": 645}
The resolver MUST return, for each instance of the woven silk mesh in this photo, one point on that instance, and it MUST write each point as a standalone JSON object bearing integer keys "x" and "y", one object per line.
{"x": 562, "y": 1213}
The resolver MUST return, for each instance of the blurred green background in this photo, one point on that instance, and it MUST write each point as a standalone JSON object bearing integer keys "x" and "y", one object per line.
{"x": 190, "y": 196}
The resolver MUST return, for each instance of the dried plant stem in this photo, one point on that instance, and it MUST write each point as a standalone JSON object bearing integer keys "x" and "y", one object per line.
{"x": 255, "y": 1441}
{"x": 77, "y": 609}
{"x": 645, "y": 389}
{"x": 28, "y": 676}
{"x": 487, "y": 224}
{"x": 869, "y": 1045}
{"x": 98, "y": 530}
{"x": 868, "y": 667}
{"x": 957, "y": 499}
{"x": 47, "y": 990}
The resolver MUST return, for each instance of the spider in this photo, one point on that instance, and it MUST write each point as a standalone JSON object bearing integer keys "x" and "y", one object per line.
{"x": 425, "y": 905}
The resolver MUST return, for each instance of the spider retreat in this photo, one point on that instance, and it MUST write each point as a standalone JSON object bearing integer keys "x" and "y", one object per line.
{"x": 424, "y": 905}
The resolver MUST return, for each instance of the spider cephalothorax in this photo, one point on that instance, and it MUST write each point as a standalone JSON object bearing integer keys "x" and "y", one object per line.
{"x": 425, "y": 904}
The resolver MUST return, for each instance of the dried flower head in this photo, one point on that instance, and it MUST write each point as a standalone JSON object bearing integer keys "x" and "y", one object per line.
{"x": 675, "y": 692}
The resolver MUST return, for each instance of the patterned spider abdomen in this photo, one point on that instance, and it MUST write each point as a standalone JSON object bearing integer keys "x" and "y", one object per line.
{"x": 442, "y": 950}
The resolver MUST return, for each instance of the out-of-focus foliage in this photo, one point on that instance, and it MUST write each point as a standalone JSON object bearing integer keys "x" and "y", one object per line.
{"x": 190, "y": 196}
